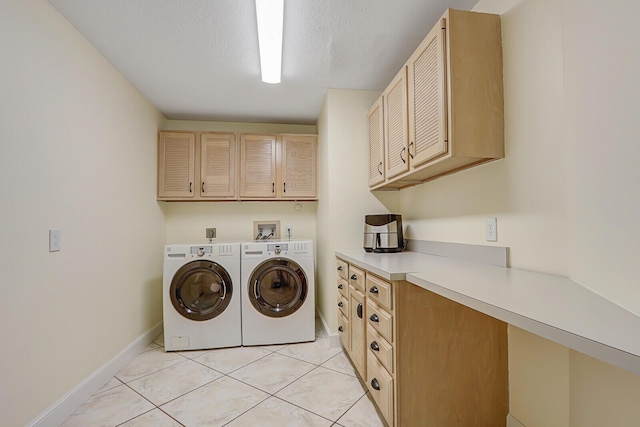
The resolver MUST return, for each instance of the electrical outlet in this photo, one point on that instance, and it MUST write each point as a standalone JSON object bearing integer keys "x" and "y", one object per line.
{"x": 289, "y": 232}
{"x": 492, "y": 230}
{"x": 211, "y": 233}
{"x": 55, "y": 240}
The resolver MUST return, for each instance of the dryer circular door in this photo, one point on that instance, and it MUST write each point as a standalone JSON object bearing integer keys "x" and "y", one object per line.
{"x": 201, "y": 290}
{"x": 278, "y": 287}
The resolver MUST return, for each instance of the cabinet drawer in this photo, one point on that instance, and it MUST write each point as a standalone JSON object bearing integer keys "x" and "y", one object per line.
{"x": 356, "y": 278}
{"x": 343, "y": 268}
{"x": 343, "y": 287}
{"x": 343, "y": 305}
{"x": 380, "y": 291}
{"x": 343, "y": 331}
{"x": 380, "y": 320}
{"x": 380, "y": 348}
{"x": 380, "y": 384}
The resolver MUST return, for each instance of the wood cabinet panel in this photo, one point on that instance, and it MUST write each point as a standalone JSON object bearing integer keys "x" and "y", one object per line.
{"x": 380, "y": 291}
{"x": 357, "y": 325}
{"x": 357, "y": 278}
{"x": 343, "y": 269}
{"x": 396, "y": 125}
{"x": 299, "y": 164}
{"x": 376, "y": 143}
{"x": 218, "y": 165}
{"x": 380, "y": 320}
{"x": 176, "y": 164}
{"x": 343, "y": 287}
{"x": 258, "y": 166}
{"x": 343, "y": 331}
{"x": 381, "y": 387}
{"x": 343, "y": 305}
{"x": 380, "y": 348}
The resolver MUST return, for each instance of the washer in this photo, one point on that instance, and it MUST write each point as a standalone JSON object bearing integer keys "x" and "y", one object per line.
{"x": 278, "y": 295}
{"x": 201, "y": 296}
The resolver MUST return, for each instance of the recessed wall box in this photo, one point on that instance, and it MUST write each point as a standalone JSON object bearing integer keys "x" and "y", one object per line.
{"x": 266, "y": 230}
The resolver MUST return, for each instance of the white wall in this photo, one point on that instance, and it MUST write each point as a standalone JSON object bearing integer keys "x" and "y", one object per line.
{"x": 342, "y": 178}
{"x": 79, "y": 154}
{"x": 564, "y": 195}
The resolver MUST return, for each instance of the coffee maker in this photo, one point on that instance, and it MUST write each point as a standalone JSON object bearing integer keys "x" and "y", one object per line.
{"x": 383, "y": 233}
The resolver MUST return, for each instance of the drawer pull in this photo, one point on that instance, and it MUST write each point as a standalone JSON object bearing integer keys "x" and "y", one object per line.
{"x": 339, "y": 268}
{"x": 374, "y": 318}
{"x": 359, "y": 310}
{"x": 340, "y": 329}
{"x": 374, "y": 346}
{"x": 375, "y": 384}
{"x": 340, "y": 304}
{"x": 354, "y": 277}
{"x": 340, "y": 286}
{"x": 374, "y": 290}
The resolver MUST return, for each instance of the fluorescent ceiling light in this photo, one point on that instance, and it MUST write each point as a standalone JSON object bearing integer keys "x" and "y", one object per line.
{"x": 270, "y": 21}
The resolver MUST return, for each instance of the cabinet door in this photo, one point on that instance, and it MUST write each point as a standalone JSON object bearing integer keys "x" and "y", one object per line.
{"x": 427, "y": 98}
{"x": 376, "y": 144}
{"x": 358, "y": 326}
{"x": 396, "y": 125}
{"x": 218, "y": 165}
{"x": 176, "y": 165}
{"x": 258, "y": 166}
{"x": 299, "y": 166}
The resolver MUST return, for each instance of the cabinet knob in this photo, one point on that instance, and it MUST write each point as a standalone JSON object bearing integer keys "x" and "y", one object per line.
{"x": 340, "y": 304}
{"x": 375, "y": 384}
{"x": 339, "y": 268}
{"x": 340, "y": 329}
{"x": 374, "y": 290}
{"x": 340, "y": 286}
{"x": 374, "y": 318}
{"x": 380, "y": 168}
{"x": 191, "y": 187}
{"x": 359, "y": 310}
{"x": 354, "y": 277}
{"x": 374, "y": 346}
{"x": 402, "y": 151}
{"x": 411, "y": 145}
{"x": 203, "y": 186}
{"x": 273, "y": 187}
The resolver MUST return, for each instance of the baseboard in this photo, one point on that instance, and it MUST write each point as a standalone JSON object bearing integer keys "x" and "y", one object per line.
{"x": 512, "y": 422}
{"x": 334, "y": 339}
{"x": 57, "y": 413}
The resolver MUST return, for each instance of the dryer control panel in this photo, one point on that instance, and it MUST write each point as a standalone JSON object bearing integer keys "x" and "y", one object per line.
{"x": 278, "y": 249}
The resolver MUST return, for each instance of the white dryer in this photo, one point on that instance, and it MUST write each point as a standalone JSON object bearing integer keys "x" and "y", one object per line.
{"x": 278, "y": 295}
{"x": 201, "y": 296}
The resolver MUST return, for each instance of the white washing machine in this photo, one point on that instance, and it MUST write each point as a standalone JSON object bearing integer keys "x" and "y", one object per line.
{"x": 278, "y": 295}
{"x": 201, "y": 296}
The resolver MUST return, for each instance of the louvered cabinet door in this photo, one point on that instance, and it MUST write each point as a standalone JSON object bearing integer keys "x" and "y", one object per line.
{"x": 299, "y": 166}
{"x": 427, "y": 99}
{"x": 217, "y": 165}
{"x": 257, "y": 166}
{"x": 376, "y": 144}
{"x": 176, "y": 165}
{"x": 396, "y": 125}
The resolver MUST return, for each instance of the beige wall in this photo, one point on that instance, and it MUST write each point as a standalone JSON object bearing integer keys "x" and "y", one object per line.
{"x": 343, "y": 176}
{"x": 186, "y": 221}
{"x": 564, "y": 204}
{"x": 79, "y": 154}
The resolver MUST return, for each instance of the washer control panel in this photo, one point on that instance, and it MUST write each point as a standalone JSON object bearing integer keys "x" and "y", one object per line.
{"x": 200, "y": 250}
{"x": 277, "y": 248}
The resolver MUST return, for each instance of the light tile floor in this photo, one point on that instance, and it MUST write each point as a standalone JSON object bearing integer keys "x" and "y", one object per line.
{"x": 309, "y": 384}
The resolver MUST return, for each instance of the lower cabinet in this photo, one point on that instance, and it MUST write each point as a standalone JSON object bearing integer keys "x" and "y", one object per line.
{"x": 427, "y": 361}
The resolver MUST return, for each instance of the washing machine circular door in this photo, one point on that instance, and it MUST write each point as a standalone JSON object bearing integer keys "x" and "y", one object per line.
{"x": 278, "y": 287}
{"x": 201, "y": 290}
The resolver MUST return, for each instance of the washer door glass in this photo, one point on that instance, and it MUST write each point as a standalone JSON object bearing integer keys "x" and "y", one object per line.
{"x": 277, "y": 287}
{"x": 201, "y": 290}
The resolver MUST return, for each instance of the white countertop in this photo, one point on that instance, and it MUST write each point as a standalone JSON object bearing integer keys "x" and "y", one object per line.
{"x": 553, "y": 307}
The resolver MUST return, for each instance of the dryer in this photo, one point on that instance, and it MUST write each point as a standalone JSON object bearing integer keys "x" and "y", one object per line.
{"x": 201, "y": 296}
{"x": 278, "y": 294}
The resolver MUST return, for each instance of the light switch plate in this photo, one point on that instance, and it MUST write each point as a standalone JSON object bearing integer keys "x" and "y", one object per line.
{"x": 55, "y": 243}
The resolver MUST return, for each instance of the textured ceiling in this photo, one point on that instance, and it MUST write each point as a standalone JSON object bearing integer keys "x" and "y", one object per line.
{"x": 199, "y": 60}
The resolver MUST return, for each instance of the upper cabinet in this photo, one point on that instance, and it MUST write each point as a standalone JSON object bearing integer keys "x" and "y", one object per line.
{"x": 444, "y": 110}
{"x": 278, "y": 167}
{"x": 376, "y": 146}
{"x": 205, "y": 170}
{"x": 210, "y": 166}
